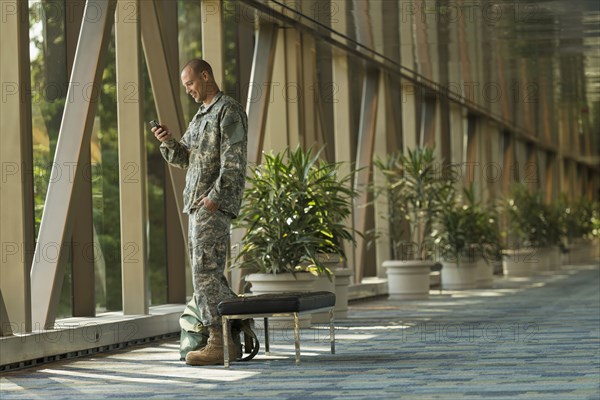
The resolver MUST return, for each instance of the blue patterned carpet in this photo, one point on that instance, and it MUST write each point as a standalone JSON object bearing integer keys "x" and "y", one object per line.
{"x": 526, "y": 338}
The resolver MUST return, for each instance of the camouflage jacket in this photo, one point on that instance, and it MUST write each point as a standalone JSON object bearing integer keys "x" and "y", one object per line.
{"x": 214, "y": 151}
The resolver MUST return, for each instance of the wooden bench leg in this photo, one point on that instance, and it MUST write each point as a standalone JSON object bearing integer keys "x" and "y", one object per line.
{"x": 225, "y": 323}
{"x": 331, "y": 331}
{"x": 297, "y": 337}
{"x": 226, "y": 334}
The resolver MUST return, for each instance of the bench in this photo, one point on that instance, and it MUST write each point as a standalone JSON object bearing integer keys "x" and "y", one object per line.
{"x": 276, "y": 305}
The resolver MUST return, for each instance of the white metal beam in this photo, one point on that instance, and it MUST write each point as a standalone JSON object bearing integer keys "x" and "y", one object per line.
{"x": 16, "y": 191}
{"x": 309, "y": 126}
{"x": 276, "y": 136}
{"x": 364, "y": 160}
{"x": 341, "y": 108}
{"x": 380, "y": 149}
{"x": 366, "y": 136}
{"x": 409, "y": 124}
{"x": 46, "y": 276}
{"x": 260, "y": 88}
{"x": 132, "y": 160}
{"x": 5, "y": 325}
{"x": 293, "y": 89}
{"x": 212, "y": 38}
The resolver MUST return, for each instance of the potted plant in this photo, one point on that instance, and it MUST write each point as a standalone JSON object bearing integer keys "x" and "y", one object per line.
{"x": 460, "y": 239}
{"x": 335, "y": 195}
{"x": 570, "y": 227}
{"x": 414, "y": 187}
{"x": 594, "y": 233}
{"x": 490, "y": 248}
{"x": 581, "y": 228}
{"x": 293, "y": 213}
{"x": 554, "y": 237}
{"x": 531, "y": 228}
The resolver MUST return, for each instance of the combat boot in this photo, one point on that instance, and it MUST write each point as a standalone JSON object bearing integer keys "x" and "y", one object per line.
{"x": 212, "y": 353}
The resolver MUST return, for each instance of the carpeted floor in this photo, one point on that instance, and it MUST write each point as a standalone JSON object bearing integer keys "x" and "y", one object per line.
{"x": 526, "y": 338}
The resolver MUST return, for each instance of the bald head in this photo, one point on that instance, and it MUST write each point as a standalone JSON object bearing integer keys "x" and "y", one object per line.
{"x": 199, "y": 82}
{"x": 198, "y": 66}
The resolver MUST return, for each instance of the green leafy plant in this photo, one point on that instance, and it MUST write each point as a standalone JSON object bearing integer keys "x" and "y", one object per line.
{"x": 293, "y": 210}
{"x": 464, "y": 228}
{"x": 491, "y": 247}
{"x": 578, "y": 219}
{"x": 415, "y": 188}
{"x": 531, "y": 223}
{"x": 568, "y": 219}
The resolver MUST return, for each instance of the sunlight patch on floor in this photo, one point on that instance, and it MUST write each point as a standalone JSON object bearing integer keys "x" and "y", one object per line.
{"x": 96, "y": 376}
{"x": 7, "y": 385}
{"x": 161, "y": 375}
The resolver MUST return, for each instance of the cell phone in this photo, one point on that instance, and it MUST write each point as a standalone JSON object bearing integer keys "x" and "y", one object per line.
{"x": 154, "y": 124}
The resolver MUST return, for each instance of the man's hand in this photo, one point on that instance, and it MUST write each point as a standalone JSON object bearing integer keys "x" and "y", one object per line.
{"x": 209, "y": 204}
{"x": 162, "y": 133}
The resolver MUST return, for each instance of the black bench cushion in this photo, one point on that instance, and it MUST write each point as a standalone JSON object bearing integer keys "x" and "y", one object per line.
{"x": 277, "y": 303}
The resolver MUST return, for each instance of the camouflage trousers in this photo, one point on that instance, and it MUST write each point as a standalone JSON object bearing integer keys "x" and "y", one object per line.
{"x": 208, "y": 236}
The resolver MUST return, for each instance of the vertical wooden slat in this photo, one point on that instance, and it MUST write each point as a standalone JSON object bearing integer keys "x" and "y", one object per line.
{"x": 82, "y": 243}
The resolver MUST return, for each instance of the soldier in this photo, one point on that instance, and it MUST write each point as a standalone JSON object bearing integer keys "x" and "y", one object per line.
{"x": 213, "y": 150}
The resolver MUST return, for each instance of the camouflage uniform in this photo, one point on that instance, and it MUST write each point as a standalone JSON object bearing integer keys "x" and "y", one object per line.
{"x": 213, "y": 150}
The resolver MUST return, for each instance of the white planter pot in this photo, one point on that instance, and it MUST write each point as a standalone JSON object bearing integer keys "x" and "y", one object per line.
{"x": 484, "y": 273}
{"x": 459, "y": 276}
{"x": 582, "y": 251}
{"x": 342, "y": 281}
{"x": 571, "y": 255}
{"x": 497, "y": 266}
{"x": 408, "y": 280}
{"x": 339, "y": 285}
{"x": 556, "y": 258}
{"x": 590, "y": 252}
{"x": 548, "y": 258}
{"x": 519, "y": 262}
{"x": 564, "y": 259}
{"x": 323, "y": 284}
{"x": 596, "y": 250}
{"x": 282, "y": 283}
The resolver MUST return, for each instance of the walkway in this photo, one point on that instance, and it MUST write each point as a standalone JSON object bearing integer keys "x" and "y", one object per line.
{"x": 526, "y": 338}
